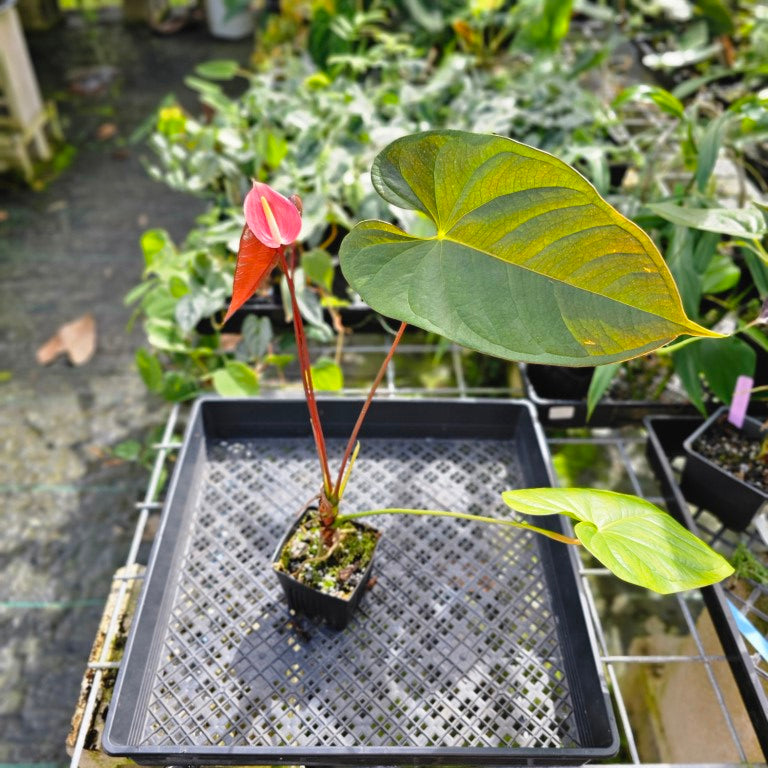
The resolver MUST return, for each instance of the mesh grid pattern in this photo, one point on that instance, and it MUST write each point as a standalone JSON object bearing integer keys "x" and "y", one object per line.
{"x": 455, "y": 645}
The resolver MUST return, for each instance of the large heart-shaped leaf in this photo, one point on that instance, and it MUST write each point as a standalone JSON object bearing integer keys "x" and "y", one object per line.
{"x": 634, "y": 539}
{"x": 527, "y": 261}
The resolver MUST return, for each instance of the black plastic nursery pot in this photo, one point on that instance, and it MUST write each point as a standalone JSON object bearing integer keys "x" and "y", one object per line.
{"x": 665, "y": 450}
{"x": 472, "y": 647}
{"x": 560, "y": 397}
{"x": 336, "y": 611}
{"x": 707, "y": 483}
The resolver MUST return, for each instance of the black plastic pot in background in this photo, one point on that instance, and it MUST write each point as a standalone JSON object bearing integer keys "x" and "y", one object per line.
{"x": 560, "y": 396}
{"x": 707, "y": 484}
{"x": 335, "y": 611}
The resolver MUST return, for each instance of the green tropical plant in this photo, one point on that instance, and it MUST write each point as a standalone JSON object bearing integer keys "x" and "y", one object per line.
{"x": 317, "y": 133}
{"x": 715, "y": 251}
{"x": 525, "y": 261}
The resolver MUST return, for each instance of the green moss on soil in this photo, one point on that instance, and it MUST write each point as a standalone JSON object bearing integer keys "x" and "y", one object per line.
{"x": 336, "y": 569}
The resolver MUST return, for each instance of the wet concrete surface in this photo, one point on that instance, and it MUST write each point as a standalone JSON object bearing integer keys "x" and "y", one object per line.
{"x": 67, "y": 505}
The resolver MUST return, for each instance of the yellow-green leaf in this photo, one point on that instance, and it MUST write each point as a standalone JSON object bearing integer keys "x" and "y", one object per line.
{"x": 633, "y": 538}
{"x": 527, "y": 261}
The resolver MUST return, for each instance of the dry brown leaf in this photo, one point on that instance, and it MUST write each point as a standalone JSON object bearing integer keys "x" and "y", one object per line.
{"x": 4, "y": 215}
{"x": 228, "y": 341}
{"x": 106, "y": 131}
{"x": 77, "y": 338}
{"x": 50, "y": 350}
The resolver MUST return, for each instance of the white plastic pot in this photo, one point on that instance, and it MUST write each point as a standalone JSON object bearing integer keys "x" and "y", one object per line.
{"x": 225, "y": 25}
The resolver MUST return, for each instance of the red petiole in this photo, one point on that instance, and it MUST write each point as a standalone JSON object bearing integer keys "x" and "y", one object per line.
{"x": 331, "y": 492}
{"x": 306, "y": 376}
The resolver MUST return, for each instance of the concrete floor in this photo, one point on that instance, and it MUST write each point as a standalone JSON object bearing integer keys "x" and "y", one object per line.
{"x": 66, "y": 504}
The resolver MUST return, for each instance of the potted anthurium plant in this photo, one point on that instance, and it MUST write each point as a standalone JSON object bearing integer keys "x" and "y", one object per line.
{"x": 524, "y": 261}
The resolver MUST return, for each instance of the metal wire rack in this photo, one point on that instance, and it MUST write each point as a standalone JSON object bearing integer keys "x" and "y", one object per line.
{"x": 620, "y": 616}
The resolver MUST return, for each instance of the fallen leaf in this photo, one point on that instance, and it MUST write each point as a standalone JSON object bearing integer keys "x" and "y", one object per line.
{"x": 4, "y": 215}
{"x": 106, "y": 131}
{"x": 228, "y": 341}
{"x": 77, "y": 338}
{"x": 50, "y": 350}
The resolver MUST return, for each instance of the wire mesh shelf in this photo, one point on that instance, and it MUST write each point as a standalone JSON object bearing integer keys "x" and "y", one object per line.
{"x": 636, "y": 659}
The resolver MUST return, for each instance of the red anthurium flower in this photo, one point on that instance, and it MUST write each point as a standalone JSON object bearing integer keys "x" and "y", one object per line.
{"x": 273, "y": 219}
{"x": 271, "y": 222}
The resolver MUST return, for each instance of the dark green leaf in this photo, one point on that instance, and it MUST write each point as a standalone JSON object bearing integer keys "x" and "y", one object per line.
{"x": 680, "y": 259}
{"x": 527, "y": 263}
{"x": 709, "y": 148}
{"x": 178, "y": 387}
{"x": 686, "y": 361}
{"x": 747, "y": 222}
{"x": 318, "y": 266}
{"x": 256, "y": 336}
{"x": 722, "y": 361}
{"x": 602, "y": 378}
{"x": 758, "y": 269}
{"x": 721, "y": 274}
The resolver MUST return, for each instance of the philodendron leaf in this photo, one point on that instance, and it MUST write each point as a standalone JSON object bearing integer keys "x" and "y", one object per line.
{"x": 746, "y": 222}
{"x": 601, "y": 380}
{"x": 527, "y": 261}
{"x": 631, "y": 537}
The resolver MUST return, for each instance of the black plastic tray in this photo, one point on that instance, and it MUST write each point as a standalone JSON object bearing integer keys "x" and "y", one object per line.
{"x": 666, "y": 435}
{"x": 571, "y": 411}
{"x": 471, "y": 648}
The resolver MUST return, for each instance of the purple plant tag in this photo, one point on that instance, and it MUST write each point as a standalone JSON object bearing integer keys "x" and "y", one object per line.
{"x": 740, "y": 401}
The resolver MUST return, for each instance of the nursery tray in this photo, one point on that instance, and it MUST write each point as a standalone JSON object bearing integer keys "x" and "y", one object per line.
{"x": 565, "y": 412}
{"x": 666, "y": 436}
{"x": 472, "y": 647}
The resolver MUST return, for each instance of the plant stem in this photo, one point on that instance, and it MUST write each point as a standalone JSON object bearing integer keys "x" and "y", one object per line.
{"x": 463, "y": 516}
{"x": 668, "y": 350}
{"x": 306, "y": 376}
{"x": 355, "y": 431}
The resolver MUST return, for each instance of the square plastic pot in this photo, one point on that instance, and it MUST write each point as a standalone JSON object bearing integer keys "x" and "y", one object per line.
{"x": 335, "y": 611}
{"x": 707, "y": 484}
